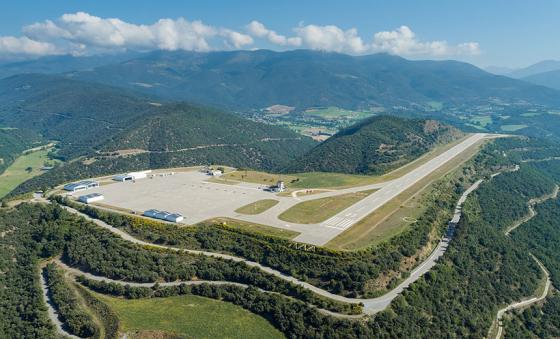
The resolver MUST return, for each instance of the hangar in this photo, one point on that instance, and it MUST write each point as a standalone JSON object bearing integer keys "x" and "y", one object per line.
{"x": 81, "y": 185}
{"x": 132, "y": 176}
{"x": 89, "y": 198}
{"x": 163, "y": 215}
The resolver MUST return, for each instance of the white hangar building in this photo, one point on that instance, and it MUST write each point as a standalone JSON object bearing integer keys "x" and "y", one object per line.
{"x": 132, "y": 176}
{"x": 89, "y": 198}
{"x": 81, "y": 185}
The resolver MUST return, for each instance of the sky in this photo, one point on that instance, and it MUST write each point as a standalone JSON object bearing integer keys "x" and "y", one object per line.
{"x": 512, "y": 33}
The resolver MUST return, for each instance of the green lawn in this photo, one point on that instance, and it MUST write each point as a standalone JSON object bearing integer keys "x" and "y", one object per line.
{"x": 190, "y": 316}
{"x": 319, "y": 210}
{"x": 257, "y": 207}
{"x": 252, "y": 227}
{"x": 16, "y": 173}
{"x": 512, "y": 128}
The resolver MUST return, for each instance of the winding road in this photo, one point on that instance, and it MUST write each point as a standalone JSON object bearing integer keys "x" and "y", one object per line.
{"x": 524, "y": 303}
{"x": 371, "y": 305}
{"x": 51, "y": 311}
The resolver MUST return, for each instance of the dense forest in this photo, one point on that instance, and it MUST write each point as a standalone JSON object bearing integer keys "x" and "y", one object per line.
{"x": 375, "y": 146}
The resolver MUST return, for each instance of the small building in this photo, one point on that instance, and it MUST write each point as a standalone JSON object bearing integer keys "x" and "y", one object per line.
{"x": 150, "y": 213}
{"x": 89, "y": 198}
{"x": 279, "y": 187}
{"x": 132, "y": 176}
{"x": 81, "y": 185}
{"x": 163, "y": 215}
{"x": 174, "y": 217}
{"x": 215, "y": 173}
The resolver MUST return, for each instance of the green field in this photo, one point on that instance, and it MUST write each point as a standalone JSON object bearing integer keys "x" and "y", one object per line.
{"x": 257, "y": 207}
{"x": 530, "y": 114}
{"x": 17, "y": 173}
{"x": 318, "y": 210}
{"x": 249, "y": 226}
{"x": 331, "y": 113}
{"x": 512, "y": 128}
{"x": 189, "y": 316}
{"x": 481, "y": 120}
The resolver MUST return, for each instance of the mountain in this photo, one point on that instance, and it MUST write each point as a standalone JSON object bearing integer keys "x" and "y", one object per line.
{"x": 93, "y": 119}
{"x": 62, "y": 63}
{"x": 549, "y": 79}
{"x": 375, "y": 146}
{"x": 499, "y": 70}
{"x": 244, "y": 80}
{"x": 539, "y": 67}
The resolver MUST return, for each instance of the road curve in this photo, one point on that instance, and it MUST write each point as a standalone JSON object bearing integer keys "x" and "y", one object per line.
{"x": 371, "y": 305}
{"x": 524, "y": 303}
{"x": 51, "y": 311}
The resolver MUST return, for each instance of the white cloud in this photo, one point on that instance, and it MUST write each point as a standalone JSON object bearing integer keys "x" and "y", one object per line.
{"x": 403, "y": 41}
{"x": 83, "y": 29}
{"x": 12, "y": 46}
{"x": 331, "y": 38}
{"x": 82, "y": 33}
{"x": 259, "y": 30}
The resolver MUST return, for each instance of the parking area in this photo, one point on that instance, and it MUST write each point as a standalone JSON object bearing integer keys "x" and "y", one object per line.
{"x": 188, "y": 193}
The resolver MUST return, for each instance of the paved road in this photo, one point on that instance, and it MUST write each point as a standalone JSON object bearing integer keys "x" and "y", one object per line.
{"x": 371, "y": 305}
{"x": 523, "y": 303}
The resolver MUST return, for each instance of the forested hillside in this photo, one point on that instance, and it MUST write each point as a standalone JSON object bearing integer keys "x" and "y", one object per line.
{"x": 97, "y": 121}
{"x": 375, "y": 146}
{"x": 13, "y": 141}
{"x": 482, "y": 270}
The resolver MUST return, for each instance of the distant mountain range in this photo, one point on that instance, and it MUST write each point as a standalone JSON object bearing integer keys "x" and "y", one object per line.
{"x": 543, "y": 73}
{"x": 249, "y": 80}
{"x": 243, "y": 80}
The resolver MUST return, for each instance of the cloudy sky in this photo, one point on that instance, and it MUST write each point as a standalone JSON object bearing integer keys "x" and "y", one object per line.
{"x": 506, "y": 33}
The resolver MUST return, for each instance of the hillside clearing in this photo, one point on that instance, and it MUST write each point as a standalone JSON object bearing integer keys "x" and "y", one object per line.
{"x": 18, "y": 173}
{"x": 190, "y": 316}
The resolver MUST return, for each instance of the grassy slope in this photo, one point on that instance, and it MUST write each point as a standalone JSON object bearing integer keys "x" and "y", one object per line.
{"x": 191, "y": 316}
{"x": 16, "y": 173}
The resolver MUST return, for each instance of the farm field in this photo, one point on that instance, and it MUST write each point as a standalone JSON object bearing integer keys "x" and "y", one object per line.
{"x": 189, "y": 316}
{"x": 337, "y": 113}
{"x": 17, "y": 173}
{"x": 512, "y": 128}
{"x": 257, "y": 207}
{"x": 318, "y": 210}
